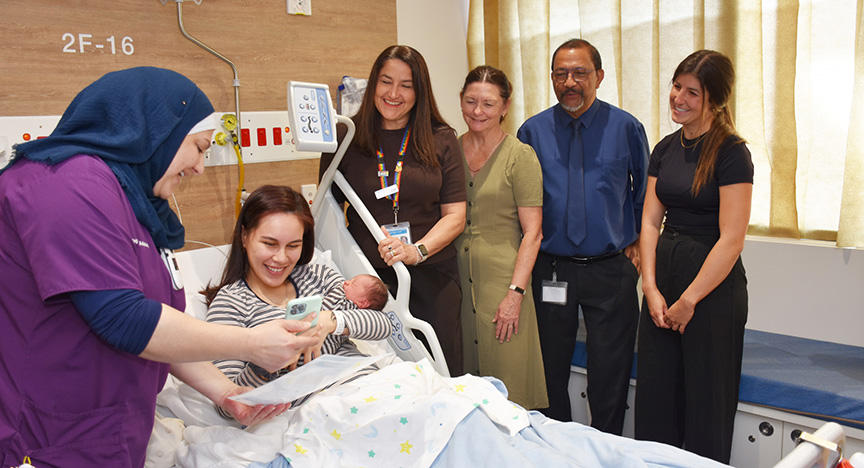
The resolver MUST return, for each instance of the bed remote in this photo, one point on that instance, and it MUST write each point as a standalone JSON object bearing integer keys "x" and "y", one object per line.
{"x": 312, "y": 117}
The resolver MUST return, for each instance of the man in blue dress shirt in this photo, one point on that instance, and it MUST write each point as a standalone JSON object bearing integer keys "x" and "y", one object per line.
{"x": 594, "y": 158}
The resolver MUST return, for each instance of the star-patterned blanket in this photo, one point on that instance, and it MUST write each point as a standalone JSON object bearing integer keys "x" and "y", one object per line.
{"x": 400, "y": 416}
{"x": 403, "y": 415}
{"x": 407, "y": 415}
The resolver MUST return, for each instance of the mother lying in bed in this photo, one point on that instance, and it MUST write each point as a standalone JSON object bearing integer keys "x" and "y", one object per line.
{"x": 268, "y": 265}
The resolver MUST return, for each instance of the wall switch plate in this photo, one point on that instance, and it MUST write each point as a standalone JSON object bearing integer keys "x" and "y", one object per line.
{"x": 308, "y": 192}
{"x": 300, "y": 7}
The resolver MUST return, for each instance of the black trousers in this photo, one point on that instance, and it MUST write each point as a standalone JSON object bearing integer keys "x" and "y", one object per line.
{"x": 436, "y": 297}
{"x": 606, "y": 292}
{"x": 687, "y": 385}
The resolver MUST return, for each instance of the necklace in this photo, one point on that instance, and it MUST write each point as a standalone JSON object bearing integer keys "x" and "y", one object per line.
{"x": 266, "y": 298}
{"x": 695, "y": 143}
{"x": 488, "y": 155}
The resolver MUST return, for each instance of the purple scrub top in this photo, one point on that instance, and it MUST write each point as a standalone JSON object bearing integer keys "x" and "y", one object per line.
{"x": 67, "y": 397}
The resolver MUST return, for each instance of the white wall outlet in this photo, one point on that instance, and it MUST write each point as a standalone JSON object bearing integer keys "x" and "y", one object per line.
{"x": 308, "y": 191}
{"x": 300, "y": 7}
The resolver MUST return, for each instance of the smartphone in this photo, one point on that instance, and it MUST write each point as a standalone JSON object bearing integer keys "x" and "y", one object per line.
{"x": 303, "y": 306}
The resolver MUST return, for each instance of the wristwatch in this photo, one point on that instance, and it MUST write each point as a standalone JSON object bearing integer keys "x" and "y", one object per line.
{"x": 519, "y": 290}
{"x": 424, "y": 253}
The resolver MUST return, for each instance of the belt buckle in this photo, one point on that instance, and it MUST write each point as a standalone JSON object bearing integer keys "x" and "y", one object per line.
{"x": 581, "y": 261}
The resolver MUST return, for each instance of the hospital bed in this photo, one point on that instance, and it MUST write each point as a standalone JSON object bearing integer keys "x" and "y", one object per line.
{"x": 465, "y": 420}
{"x": 209, "y": 440}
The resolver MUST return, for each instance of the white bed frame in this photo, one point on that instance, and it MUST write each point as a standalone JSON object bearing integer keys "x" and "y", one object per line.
{"x": 823, "y": 448}
{"x": 332, "y": 234}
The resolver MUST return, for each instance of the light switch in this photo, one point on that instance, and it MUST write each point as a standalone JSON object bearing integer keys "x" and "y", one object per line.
{"x": 300, "y": 7}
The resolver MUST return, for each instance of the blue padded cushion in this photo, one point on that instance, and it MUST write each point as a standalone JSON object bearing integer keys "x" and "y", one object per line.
{"x": 814, "y": 378}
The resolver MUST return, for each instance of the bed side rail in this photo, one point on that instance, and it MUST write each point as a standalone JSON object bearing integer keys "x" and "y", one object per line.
{"x": 822, "y": 449}
{"x": 332, "y": 234}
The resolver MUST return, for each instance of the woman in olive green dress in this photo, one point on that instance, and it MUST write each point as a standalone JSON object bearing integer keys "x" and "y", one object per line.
{"x": 499, "y": 245}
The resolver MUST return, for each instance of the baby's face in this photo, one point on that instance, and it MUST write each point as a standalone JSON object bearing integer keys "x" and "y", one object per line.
{"x": 356, "y": 288}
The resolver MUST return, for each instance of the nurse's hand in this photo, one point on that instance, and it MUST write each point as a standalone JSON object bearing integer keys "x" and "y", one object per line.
{"x": 326, "y": 325}
{"x": 250, "y": 415}
{"x": 276, "y": 345}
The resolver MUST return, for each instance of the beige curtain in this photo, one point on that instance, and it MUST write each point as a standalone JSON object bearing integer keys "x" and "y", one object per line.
{"x": 851, "y": 230}
{"x": 798, "y": 63}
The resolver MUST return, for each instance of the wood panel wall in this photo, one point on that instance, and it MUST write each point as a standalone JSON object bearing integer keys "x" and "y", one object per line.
{"x": 267, "y": 45}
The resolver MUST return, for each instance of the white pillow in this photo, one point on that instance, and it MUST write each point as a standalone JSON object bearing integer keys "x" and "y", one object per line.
{"x": 324, "y": 257}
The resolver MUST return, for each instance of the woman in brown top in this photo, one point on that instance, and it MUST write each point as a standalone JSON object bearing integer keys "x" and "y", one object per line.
{"x": 406, "y": 166}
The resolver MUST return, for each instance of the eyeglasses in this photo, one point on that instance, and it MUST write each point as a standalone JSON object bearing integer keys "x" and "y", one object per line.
{"x": 578, "y": 74}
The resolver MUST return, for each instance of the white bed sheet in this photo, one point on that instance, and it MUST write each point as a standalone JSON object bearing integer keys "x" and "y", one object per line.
{"x": 408, "y": 415}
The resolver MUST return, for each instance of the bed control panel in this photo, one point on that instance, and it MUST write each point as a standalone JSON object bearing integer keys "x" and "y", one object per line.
{"x": 312, "y": 117}
{"x": 398, "y": 335}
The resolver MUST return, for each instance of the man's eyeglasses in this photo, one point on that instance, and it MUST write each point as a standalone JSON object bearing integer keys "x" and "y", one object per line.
{"x": 578, "y": 74}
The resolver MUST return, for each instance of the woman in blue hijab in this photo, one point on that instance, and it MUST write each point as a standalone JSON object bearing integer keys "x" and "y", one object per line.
{"x": 89, "y": 316}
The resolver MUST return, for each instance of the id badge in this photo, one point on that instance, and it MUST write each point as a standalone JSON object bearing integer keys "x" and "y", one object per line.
{"x": 386, "y": 191}
{"x": 555, "y": 292}
{"x": 173, "y": 268}
{"x": 401, "y": 231}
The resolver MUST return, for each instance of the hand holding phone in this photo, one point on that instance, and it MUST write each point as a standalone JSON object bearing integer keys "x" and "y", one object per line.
{"x": 300, "y": 307}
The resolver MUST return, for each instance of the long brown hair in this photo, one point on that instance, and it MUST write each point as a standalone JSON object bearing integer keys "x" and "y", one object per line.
{"x": 715, "y": 74}
{"x": 265, "y": 200}
{"x": 492, "y": 75}
{"x": 425, "y": 118}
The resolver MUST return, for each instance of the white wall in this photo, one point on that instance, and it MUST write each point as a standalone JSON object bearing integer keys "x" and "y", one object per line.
{"x": 438, "y": 30}
{"x": 806, "y": 289}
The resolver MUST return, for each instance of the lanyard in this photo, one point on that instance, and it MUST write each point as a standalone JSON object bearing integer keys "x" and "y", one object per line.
{"x": 554, "y": 270}
{"x": 397, "y": 177}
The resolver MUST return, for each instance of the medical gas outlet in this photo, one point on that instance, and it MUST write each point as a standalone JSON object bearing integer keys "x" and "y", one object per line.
{"x": 262, "y": 136}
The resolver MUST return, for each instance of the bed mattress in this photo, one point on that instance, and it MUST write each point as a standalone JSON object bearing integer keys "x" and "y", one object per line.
{"x": 809, "y": 377}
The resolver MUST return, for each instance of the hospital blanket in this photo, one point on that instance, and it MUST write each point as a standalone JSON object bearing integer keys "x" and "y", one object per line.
{"x": 408, "y": 415}
{"x": 402, "y": 415}
{"x": 548, "y": 443}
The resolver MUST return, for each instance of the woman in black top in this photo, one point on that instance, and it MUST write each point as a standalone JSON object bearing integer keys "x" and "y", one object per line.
{"x": 406, "y": 166}
{"x": 691, "y": 333}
